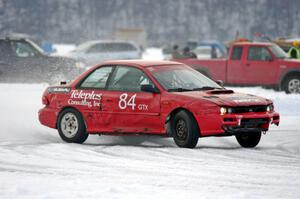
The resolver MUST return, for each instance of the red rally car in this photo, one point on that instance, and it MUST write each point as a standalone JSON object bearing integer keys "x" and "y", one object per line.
{"x": 154, "y": 97}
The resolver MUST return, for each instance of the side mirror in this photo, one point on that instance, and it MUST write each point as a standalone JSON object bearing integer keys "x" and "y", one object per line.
{"x": 220, "y": 83}
{"x": 269, "y": 59}
{"x": 149, "y": 88}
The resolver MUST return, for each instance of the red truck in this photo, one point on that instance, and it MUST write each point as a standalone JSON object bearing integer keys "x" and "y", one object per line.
{"x": 251, "y": 64}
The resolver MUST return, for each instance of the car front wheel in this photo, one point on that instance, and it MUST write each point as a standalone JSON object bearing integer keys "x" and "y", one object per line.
{"x": 185, "y": 130}
{"x": 71, "y": 126}
{"x": 249, "y": 139}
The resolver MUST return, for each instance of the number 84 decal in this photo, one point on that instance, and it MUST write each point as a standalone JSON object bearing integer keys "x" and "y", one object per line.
{"x": 125, "y": 101}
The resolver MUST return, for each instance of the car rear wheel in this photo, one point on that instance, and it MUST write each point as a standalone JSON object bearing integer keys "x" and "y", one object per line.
{"x": 185, "y": 130}
{"x": 71, "y": 126}
{"x": 249, "y": 139}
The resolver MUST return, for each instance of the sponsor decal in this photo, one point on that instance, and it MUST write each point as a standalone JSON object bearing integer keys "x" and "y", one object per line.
{"x": 75, "y": 94}
{"x": 244, "y": 100}
{"x": 83, "y": 98}
{"x": 58, "y": 90}
{"x": 125, "y": 101}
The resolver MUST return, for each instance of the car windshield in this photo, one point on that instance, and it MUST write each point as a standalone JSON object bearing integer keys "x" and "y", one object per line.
{"x": 179, "y": 78}
{"x": 278, "y": 52}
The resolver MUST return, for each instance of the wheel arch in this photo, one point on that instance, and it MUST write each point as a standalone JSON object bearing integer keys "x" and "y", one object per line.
{"x": 69, "y": 107}
{"x": 173, "y": 113}
{"x": 286, "y": 74}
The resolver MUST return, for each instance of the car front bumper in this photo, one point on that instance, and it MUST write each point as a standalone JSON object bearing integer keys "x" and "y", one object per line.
{"x": 231, "y": 124}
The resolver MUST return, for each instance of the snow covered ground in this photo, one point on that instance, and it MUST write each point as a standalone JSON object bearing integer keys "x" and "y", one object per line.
{"x": 35, "y": 163}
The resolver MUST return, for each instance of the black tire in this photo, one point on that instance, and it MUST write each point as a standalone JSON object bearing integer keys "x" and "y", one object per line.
{"x": 185, "y": 130}
{"x": 249, "y": 139}
{"x": 291, "y": 84}
{"x": 76, "y": 133}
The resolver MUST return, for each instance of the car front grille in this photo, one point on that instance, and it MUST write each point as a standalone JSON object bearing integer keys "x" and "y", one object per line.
{"x": 246, "y": 109}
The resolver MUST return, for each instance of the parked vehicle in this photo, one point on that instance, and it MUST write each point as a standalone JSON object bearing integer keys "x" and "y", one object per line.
{"x": 210, "y": 50}
{"x": 21, "y": 60}
{"x": 154, "y": 97}
{"x": 264, "y": 64}
{"x": 94, "y": 52}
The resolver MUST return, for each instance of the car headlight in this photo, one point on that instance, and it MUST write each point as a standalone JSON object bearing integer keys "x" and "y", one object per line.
{"x": 225, "y": 110}
{"x": 270, "y": 108}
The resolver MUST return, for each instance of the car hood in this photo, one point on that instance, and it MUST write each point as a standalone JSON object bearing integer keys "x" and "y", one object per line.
{"x": 226, "y": 98}
{"x": 291, "y": 61}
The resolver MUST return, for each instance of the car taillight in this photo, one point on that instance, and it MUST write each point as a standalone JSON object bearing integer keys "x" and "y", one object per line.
{"x": 45, "y": 100}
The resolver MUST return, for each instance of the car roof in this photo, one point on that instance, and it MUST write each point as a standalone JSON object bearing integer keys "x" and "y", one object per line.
{"x": 88, "y": 44}
{"x": 253, "y": 43}
{"x": 140, "y": 62}
{"x": 136, "y": 63}
{"x": 13, "y": 38}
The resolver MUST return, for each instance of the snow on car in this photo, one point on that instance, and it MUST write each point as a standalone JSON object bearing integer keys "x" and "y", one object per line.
{"x": 154, "y": 97}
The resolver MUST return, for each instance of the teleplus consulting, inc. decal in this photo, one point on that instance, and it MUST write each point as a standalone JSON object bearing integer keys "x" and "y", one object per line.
{"x": 89, "y": 99}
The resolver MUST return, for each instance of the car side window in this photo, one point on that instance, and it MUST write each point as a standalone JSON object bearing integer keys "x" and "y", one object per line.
{"x": 237, "y": 53}
{"x": 128, "y": 79}
{"x": 97, "y": 48}
{"x": 97, "y": 79}
{"x": 23, "y": 49}
{"x": 121, "y": 47}
{"x": 256, "y": 53}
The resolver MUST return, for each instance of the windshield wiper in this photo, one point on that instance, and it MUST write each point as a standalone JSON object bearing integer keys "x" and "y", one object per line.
{"x": 205, "y": 88}
{"x": 179, "y": 89}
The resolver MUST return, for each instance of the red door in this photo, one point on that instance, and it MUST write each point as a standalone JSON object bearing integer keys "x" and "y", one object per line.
{"x": 259, "y": 67}
{"x": 255, "y": 67}
{"x": 234, "y": 66}
{"x": 127, "y": 108}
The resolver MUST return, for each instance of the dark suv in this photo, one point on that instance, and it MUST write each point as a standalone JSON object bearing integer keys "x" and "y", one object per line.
{"x": 21, "y": 60}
